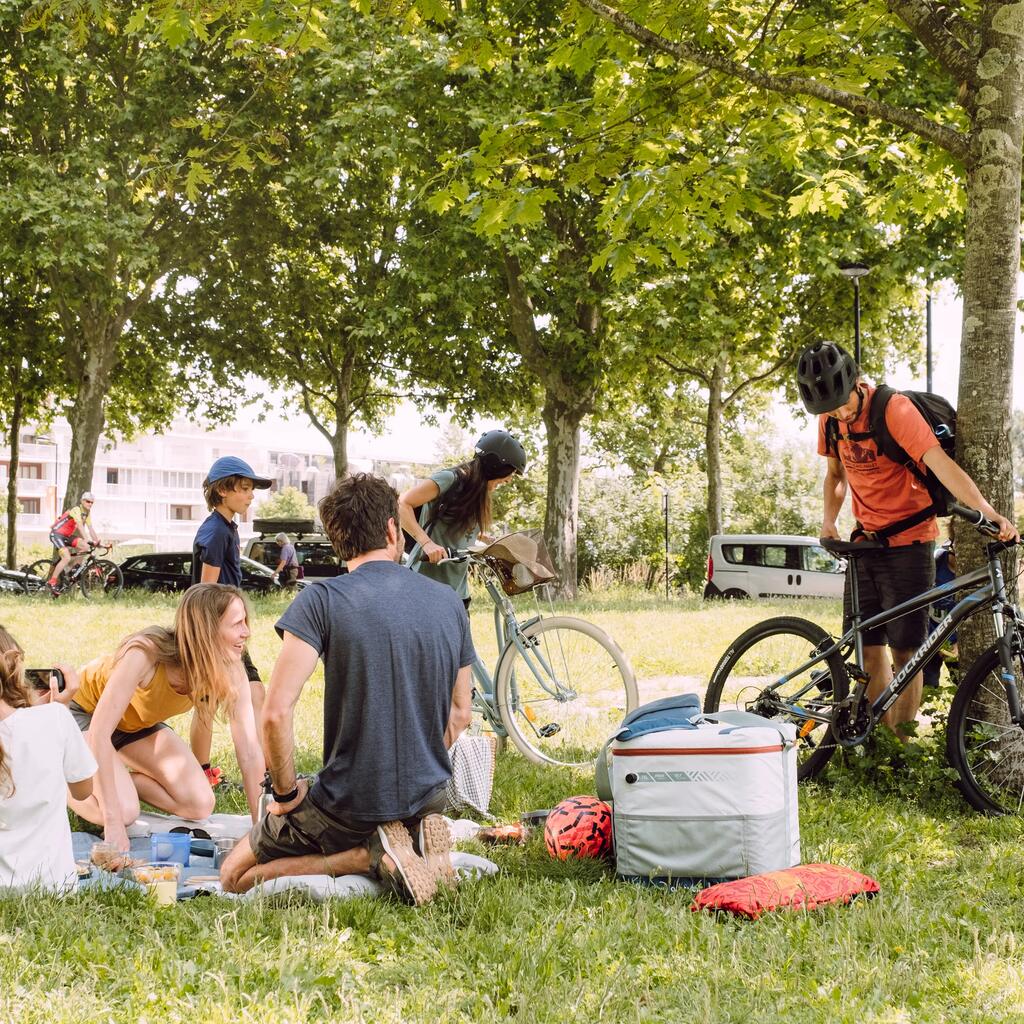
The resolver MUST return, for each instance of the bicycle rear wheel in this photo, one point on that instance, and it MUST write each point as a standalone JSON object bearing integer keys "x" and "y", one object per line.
{"x": 982, "y": 744}
{"x": 759, "y": 657}
{"x": 37, "y": 575}
{"x": 102, "y": 580}
{"x": 562, "y": 689}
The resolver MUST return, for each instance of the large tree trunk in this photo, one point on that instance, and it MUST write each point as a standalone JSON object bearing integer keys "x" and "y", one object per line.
{"x": 94, "y": 365}
{"x": 992, "y": 263}
{"x": 339, "y": 448}
{"x": 713, "y": 446}
{"x": 561, "y": 519}
{"x": 12, "y": 475}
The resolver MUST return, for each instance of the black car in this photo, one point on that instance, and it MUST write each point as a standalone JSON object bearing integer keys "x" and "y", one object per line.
{"x": 172, "y": 570}
{"x": 312, "y": 548}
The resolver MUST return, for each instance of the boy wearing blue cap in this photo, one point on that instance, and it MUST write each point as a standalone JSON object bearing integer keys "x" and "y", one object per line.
{"x": 216, "y": 558}
{"x": 229, "y": 489}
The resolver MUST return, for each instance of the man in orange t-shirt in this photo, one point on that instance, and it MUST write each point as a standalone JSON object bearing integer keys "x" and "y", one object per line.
{"x": 883, "y": 493}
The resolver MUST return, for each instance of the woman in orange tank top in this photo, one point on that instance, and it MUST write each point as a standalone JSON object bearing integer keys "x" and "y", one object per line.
{"x": 124, "y": 700}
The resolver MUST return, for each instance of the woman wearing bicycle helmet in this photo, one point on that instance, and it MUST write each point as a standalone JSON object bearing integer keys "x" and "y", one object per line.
{"x": 454, "y": 506}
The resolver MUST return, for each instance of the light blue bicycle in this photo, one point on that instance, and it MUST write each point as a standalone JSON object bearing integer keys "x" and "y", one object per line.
{"x": 560, "y": 684}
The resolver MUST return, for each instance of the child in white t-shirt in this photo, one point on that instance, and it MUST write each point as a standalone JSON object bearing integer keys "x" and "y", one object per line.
{"x": 42, "y": 756}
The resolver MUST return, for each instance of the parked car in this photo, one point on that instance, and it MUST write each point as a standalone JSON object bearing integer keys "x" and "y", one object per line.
{"x": 172, "y": 570}
{"x": 313, "y": 550}
{"x": 12, "y": 581}
{"x": 761, "y": 565}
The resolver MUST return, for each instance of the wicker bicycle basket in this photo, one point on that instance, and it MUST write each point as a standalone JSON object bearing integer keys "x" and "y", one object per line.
{"x": 520, "y": 561}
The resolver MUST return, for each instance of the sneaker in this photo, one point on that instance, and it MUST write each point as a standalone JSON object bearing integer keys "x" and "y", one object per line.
{"x": 53, "y": 589}
{"x": 411, "y": 878}
{"x": 436, "y": 848}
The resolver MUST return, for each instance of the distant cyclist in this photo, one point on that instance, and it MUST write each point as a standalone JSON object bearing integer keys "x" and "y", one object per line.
{"x": 886, "y": 494}
{"x": 68, "y": 536}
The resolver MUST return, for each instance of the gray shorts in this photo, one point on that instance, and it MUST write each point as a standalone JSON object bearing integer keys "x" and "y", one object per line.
{"x": 119, "y": 738}
{"x": 310, "y": 829}
{"x": 885, "y": 579}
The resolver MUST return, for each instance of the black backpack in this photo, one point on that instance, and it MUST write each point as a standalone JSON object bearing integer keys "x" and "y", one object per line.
{"x": 939, "y": 415}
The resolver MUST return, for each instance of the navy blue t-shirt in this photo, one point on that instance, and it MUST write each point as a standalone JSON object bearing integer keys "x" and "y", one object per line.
{"x": 392, "y": 643}
{"x": 216, "y": 543}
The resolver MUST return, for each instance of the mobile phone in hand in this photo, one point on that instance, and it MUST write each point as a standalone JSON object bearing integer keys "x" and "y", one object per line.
{"x": 39, "y": 678}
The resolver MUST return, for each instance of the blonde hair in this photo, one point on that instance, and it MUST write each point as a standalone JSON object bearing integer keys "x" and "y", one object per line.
{"x": 12, "y": 692}
{"x": 193, "y": 645}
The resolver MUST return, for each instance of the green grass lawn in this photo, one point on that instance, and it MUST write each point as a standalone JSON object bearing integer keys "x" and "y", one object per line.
{"x": 547, "y": 941}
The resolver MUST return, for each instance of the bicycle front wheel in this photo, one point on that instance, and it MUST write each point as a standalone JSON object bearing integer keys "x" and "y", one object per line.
{"x": 101, "y": 580}
{"x": 982, "y": 744}
{"x": 763, "y": 654}
{"x": 561, "y": 688}
{"x": 37, "y": 575}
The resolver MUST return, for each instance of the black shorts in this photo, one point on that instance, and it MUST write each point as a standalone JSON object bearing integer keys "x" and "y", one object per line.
{"x": 885, "y": 579}
{"x": 310, "y": 829}
{"x": 59, "y": 541}
{"x": 118, "y": 738}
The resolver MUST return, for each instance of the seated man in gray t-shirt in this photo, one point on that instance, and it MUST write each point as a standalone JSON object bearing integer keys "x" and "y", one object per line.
{"x": 397, "y": 653}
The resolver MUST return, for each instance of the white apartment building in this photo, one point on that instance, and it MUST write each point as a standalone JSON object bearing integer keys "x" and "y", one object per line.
{"x": 150, "y": 489}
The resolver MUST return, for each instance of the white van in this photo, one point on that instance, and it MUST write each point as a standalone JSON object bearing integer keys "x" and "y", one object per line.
{"x": 760, "y": 565}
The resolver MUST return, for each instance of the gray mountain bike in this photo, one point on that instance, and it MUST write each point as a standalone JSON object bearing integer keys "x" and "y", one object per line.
{"x": 790, "y": 668}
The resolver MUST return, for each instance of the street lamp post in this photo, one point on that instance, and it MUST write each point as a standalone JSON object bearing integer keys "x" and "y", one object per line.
{"x": 855, "y": 271}
{"x": 664, "y": 511}
{"x": 928, "y": 339}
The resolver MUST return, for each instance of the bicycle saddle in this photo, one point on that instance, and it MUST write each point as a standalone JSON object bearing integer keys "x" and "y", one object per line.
{"x": 850, "y": 547}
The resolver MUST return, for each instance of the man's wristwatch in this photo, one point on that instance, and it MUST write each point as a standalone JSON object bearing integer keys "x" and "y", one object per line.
{"x": 285, "y": 798}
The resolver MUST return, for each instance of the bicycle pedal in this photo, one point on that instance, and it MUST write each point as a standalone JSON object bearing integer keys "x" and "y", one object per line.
{"x": 549, "y": 730}
{"x": 856, "y": 673}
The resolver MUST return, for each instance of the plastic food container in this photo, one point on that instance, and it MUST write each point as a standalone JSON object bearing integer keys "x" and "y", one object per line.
{"x": 159, "y": 879}
{"x": 170, "y": 847}
{"x": 107, "y": 857}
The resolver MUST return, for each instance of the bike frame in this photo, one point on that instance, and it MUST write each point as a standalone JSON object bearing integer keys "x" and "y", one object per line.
{"x": 77, "y": 565}
{"x": 990, "y": 589}
{"x": 508, "y": 632}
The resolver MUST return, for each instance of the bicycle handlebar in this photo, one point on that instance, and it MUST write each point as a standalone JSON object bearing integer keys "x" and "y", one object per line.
{"x": 981, "y": 522}
{"x": 450, "y": 555}
{"x": 971, "y": 515}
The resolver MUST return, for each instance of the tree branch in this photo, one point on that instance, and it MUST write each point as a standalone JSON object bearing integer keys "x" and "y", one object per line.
{"x": 523, "y": 327}
{"x": 952, "y": 141}
{"x": 313, "y": 418}
{"x": 929, "y": 23}
{"x": 773, "y": 369}
{"x": 683, "y": 368}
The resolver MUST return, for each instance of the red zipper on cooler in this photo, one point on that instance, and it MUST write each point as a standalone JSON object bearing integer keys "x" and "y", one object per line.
{"x": 688, "y": 751}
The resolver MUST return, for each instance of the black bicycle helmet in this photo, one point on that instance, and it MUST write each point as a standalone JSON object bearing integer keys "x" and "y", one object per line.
{"x": 825, "y": 375}
{"x": 500, "y": 454}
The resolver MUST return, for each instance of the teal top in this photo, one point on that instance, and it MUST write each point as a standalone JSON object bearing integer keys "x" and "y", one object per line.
{"x": 455, "y": 574}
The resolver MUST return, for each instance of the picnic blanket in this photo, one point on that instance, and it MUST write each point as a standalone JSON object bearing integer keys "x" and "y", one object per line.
{"x": 215, "y": 826}
{"x": 317, "y": 887}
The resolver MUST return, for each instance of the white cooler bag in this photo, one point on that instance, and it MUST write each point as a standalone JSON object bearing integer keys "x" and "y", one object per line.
{"x": 701, "y": 796}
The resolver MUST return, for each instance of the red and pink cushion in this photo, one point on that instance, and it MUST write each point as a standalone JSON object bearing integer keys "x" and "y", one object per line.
{"x": 804, "y": 887}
